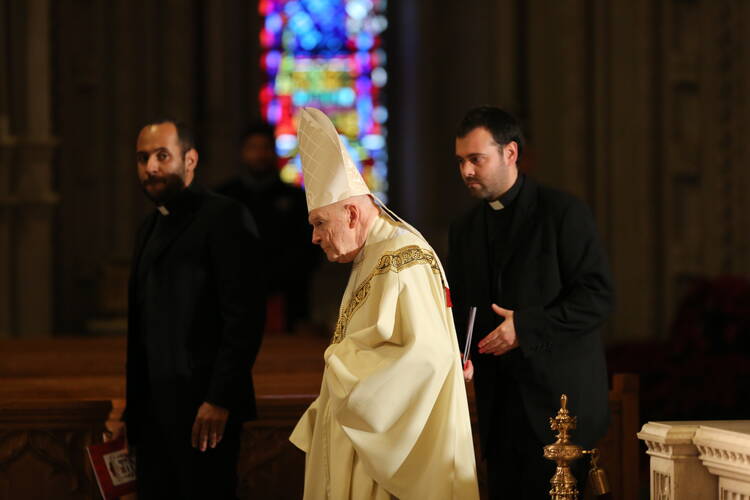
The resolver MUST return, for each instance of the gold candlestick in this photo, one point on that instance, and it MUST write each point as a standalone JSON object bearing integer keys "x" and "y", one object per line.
{"x": 564, "y": 453}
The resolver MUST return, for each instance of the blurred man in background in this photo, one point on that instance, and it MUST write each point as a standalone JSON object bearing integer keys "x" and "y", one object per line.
{"x": 280, "y": 211}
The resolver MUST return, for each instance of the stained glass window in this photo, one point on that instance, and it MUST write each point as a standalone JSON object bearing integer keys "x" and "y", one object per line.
{"x": 327, "y": 54}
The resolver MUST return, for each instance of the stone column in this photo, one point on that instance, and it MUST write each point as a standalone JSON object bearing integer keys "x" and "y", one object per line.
{"x": 6, "y": 145}
{"x": 223, "y": 113}
{"x": 32, "y": 237}
{"x": 6, "y": 206}
{"x": 27, "y": 199}
{"x": 676, "y": 470}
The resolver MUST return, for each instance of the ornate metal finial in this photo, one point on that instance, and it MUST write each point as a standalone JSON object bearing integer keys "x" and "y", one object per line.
{"x": 564, "y": 453}
{"x": 563, "y": 423}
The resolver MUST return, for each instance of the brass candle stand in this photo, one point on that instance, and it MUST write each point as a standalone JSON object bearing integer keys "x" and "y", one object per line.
{"x": 564, "y": 453}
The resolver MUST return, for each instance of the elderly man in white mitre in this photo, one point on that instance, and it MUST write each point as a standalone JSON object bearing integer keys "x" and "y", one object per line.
{"x": 392, "y": 419}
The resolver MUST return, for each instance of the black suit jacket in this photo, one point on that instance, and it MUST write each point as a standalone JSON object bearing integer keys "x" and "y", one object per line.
{"x": 196, "y": 313}
{"x": 553, "y": 273}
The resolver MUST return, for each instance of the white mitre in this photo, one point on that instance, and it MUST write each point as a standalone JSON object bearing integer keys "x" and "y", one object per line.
{"x": 329, "y": 172}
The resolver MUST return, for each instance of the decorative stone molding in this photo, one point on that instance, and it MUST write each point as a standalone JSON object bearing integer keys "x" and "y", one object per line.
{"x": 703, "y": 459}
{"x": 669, "y": 441}
{"x": 676, "y": 470}
{"x": 725, "y": 451}
{"x": 661, "y": 486}
{"x": 730, "y": 489}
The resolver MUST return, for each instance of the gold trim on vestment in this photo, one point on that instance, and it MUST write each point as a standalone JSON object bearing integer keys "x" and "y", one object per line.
{"x": 390, "y": 261}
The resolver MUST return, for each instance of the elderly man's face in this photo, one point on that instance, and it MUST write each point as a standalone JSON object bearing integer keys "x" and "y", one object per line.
{"x": 334, "y": 232}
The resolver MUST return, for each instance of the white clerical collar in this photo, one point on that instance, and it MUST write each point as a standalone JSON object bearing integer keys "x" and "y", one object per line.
{"x": 496, "y": 205}
{"x": 162, "y": 210}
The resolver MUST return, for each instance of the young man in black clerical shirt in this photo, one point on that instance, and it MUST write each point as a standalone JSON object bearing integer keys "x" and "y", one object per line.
{"x": 196, "y": 311}
{"x": 528, "y": 257}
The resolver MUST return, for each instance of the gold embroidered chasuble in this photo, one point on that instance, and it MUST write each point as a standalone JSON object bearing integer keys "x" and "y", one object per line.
{"x": 392, "y": 417}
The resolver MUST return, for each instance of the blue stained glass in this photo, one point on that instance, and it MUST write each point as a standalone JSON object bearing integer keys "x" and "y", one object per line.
{"x": 273, "y": 59}
{"x": 381, "y": 57}
{"x": 380, "y": 114}
{"x": 291, "y": 8}
{"x": 374, "y": 142}
{"x": 300, "y": 98}
{"x": 274, "y": 23}
{"x": 357, "y": 9}
{"x": 381, "y": 156}
{"x": 334, "y": 44}
{"x": 301, "y": 22}
{"x": 274, "y": 112}
{"x": 310, "y": 40}
{"x": 364, "y": 86}
{"x": 289, "y": 41}
{"x": 363, "y": 58}
{"x": 379, "y": 77}
{"x": 380, "y": 169}
{"x": 327, "y": 54}
{"x": 364, "y": 109}
{"x": 364, "y": 41}
{"x": 286, "y": 142}
{"x": 320, "y": 7}
{"x": 346, "y": 97}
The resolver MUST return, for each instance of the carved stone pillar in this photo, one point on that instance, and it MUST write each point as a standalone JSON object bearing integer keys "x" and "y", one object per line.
{"x": 6, "y": 213}
{"x": 36, "y": 203}
{"x": 676, "y": 470}
{"x": 27, "y": 198}
{"x": 43, "y": 448}
{"x": 227, "y": 106}
{"x": 6, "y": 144}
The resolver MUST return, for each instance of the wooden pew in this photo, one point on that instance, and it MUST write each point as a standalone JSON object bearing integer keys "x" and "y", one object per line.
{"x": 42, "y": 448}
{"x": 620, "y": 447}
{"x": 81, "y": 371}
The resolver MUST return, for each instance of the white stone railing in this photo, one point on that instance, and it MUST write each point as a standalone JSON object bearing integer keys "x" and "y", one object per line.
{"x": 699, "y": 460}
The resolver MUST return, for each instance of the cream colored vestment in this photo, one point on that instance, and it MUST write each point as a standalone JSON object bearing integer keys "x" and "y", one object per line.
{"x": 392, "y": 417}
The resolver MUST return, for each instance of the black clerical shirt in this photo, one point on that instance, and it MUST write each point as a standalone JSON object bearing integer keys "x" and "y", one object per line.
{"x": 498, "y": 225}
{"x": 168, "y": 214}
{"x": 498, "y": 221}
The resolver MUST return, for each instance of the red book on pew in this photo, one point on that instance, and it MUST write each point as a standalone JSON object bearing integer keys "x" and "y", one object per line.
{"x": 113, "y": 467}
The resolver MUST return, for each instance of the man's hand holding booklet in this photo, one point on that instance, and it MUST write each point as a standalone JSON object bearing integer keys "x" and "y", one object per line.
{"x": 114, "y": 468}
